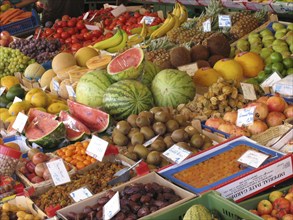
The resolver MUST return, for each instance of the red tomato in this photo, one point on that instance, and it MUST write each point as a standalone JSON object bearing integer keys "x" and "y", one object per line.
{"x": 79, "y": 36}
{"x": 65, "y": 35}
{"x": 71, "y": 23}
{"x": 58, "y": 24}
{"x": 120, "y": 23}
{"x": 108, "y": 35}
{"x": 68, "y": 40}
{"x": 76, "y": 46}
{"x": 59, "y": 30}
{"x": 87, "y": 36}
{"x": 49, "y": 31}
{"x": 64, "y": 23}
{"x": 87, "y": 43}
{"x": 71, "y": 31}
{"x": 65, "y": 18}
{"x": 122, "y": 19}
{"x": 62, "y": 41}
{"x": 57, "y": 35}
{"x": 94, "y": 39}
{"x": 84, "y": 30}
{"x": 97, "y": 33}
{"x": 74, "y": 41}
{"x": 107, "y": 22}
{"x": 136, "y": 14}
{"x": 80, "y": 25}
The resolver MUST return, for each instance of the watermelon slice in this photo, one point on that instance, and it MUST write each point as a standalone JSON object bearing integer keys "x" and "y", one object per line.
{"x": 93, "y": 118}
{"x": 34, "y": 112}
{"x": 75, "y": 130}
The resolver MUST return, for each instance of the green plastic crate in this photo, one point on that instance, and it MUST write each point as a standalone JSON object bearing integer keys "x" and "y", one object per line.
{"x": 212, "y": 200}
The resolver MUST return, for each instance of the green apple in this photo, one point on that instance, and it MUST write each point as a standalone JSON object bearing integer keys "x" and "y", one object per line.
{"x": 279, "y": 67}
{"x": 268, "y": 37}
{"x": 290, "y": 27}
{"x": 280, "y": 49}
{"x": 252, "y": 35}
{"x": 265, "y": 52}
{"x": 277, "y": 26}
{"x": 288, "y": 62}
{"x": 243, "y": 45}
{"x": 266, "y": 32}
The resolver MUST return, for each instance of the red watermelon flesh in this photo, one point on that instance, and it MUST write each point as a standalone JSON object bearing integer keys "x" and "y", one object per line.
{"x": 93, "y": 118}
{"x": 74, "y": 128}
{"x": 33, "y": 112}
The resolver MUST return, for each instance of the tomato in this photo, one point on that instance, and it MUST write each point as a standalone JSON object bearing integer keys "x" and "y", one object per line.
{"x": 136, "y": 14}
{"x": 65, "y": 35}
{"x": 80, "y": 25}
{"x": 108, "y": 35}
{"x": 59, "y": 30}
{"x": 76, "y": 46}
{"x": 57, "y": 35}
{"x": 107, "y": 22}
{"x": 71, "y": 23}
{"x": 120, "y": 23}
{"x": 128, "y": 29}
{"x": 94, "y": 39}
{"x": 49, "y": 31}
{"x": 122, "y": 19}
{"x": 64, "y": 23}
{"x": 87, "y": 43}
{"x": 65, "y": 18}
{"x": 59, "y": 24}
{"x": 79, "y": 36}
{"x": 87, "y": 36}
{"x": 62, "y": 41}
{"x": 68, "y": 40}
{"x": 96, "y": 33}
{"x": 74, "y": 41}
{"x": 71, "y": 31}
{"x": 84, "y": 30}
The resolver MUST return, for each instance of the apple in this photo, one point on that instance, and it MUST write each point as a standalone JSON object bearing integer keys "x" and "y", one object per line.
{"x": 254, "y": 211}
{"x": 264, "y": 207}
{"x": 266, "y": 216}
{"x": 287, "y": 217}
{"x": 289, "y": 196}
{"x": 290, "y": 189}
{"x": 275, "y": 195}
{"x": 291, "y": 207}
{"x": 274, "y": 213}
{"x": 30, "y": 166}
{"x": 282, "y": 204}
{"x": 280, "y": 214}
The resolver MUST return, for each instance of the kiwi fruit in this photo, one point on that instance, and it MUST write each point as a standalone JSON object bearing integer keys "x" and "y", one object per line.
{"x": 148, "y": 115}
{"x": 172, "y": 125}
{"x": 131, "y": 119}
{"x": 199, "y": 52}
{"x": 196, "y": 141}
{"x": 155, "y": 109}
{"x": 202, "y": 63}
{"x": 179, "y": 135}
{"x": 184, "y": 145}
{"x": 123, "y": 126}
{"x": 147, "y": 132}
{"x": 130, "y": 148}
{"x": 215, "y": 58}
{"x": 207, "y": 145}
{"x": 159, "y": 128}
{"x": 168, "y": 141}
{"x": 142, "y": 121}
{"x": 132, "y": 132}
{"x": 162, "y": 116}
{"x": 154, "y": 158}
{"x": 164, "y": 162}
{"x": 181, "y": 119}
{"x": 137, "y": 138}
{"x": 141, "y": 151}
{"x": 191, "y": 130}
{"x": 107, "y": 138}
{"x": 131, "y": 155}
{"x": 158, "y": 145}
{"x": 219, "y": 44}
{"x": 119, "y": 139}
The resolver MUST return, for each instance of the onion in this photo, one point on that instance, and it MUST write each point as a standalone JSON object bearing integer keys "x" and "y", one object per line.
{"x": 39, "y": 158}
{"x": 261, "y": 110}
{"x": 275, "y": 118}
{"x": 289, "y": 111}
{"x": 226, "y": 127}
{"x": 46, "y": 174}
{"x": 39, "y": 169}
{"x": 263, "y": 99}
{"x": 257, "y": 127}
{"x": 231, "y": 117}
{"x": 276, "y": 104}
{"x": 214, "y": 122}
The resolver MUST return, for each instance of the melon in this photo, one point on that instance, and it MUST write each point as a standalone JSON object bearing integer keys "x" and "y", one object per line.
{"x": 64, "y": 73}
{"x": 55, "y": 85}
{"x": 198, "y": 212}
{"x": 63, "y": 93}
{"x": 127, "y": 65}
{"x": 91, "y": 88}
{"x": 99, "y": 62}
{"x": 127, "y": 97}
{"x": 34, "y": 112}
{"x": 149, "y": 72}
{"x": 47, "y": 78}
{"x": 34, "y": 71}
{"x": 172, "y": 87}
{"x": 84, "y": 54}
{"x": 62, "y": 60}
{"x": 95, "y": 119}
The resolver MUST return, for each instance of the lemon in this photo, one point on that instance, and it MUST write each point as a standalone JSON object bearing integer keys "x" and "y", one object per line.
{"x": 17, "y": 107}
{"x": 4, "y": 116}
{"x": 9, "y": 81}
{"x": 30, "y": 93}
{"x": 10, "y": 119}
{"x": 56, "y": 107}
{"x": 39, "y": 99}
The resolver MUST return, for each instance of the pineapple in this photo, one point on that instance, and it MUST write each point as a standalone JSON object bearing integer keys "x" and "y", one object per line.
{"x": 238, "y": 16}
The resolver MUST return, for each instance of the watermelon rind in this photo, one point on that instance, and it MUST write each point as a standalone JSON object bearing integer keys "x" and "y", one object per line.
{"x": 172, "y": 87}
{"x": 149, "y": 72}
{"x": 132, "y": 72}
{"x": 127, "y": 97}
{"x": 91, "y": 88}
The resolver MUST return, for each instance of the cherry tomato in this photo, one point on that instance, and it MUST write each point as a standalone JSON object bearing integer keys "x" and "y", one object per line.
{"x": 87, "y": 36}
{"x": 84, "y": 30}
{"x": 136, "y": 14}
{"x": 80, "y": 25}
{"x": 65, "y": 18}
{"x": 59, "y": 30}
{"x": 96, "y": 33}
{"x": 68, "y": 40}
{"x": 57, "y": 35}
{"x": 71, "y": 23}
{"x": 76, "y": 46}
{"x": 87, "y": 43}
{"x": 107, "y": 22}
{"x": 49, "y": 31}
{"x": 71, "y": 31}
{"x": 64, "y": 23}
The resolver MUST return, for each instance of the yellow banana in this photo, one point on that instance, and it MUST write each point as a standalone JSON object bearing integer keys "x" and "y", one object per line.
{"x": 183, "y": 13}
{"x": 135, "y": 39}
{"x": 176, "y": 10}
{"x": 167, "y": 26}
{"x": 110, "y": 42}
{"x": 144, "y": 30}
{"x": 120, "y": 46}
{"x": 177, "y": 22}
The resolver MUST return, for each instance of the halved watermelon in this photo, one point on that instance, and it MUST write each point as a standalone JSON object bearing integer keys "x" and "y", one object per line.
{"x": 75, "y": 130}
{"x": 94, "y": 119}
{"x": 34, "y": 112}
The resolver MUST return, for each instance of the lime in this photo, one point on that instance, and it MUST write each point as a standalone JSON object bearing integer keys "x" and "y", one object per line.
{"x": 268, "y": 68}
{"x": 261, "y": 76}
{"x": 276, "y": 57}
{"x": 284, "y": 73}
{"x": 288, "y": 62}
{"x": 289, "y": 71}
{"x": 278, "y": 67}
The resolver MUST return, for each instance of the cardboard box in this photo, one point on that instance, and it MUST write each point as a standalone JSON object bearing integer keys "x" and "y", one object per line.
{"x": 152, "y": 177}
{"x": 245, "y": 183}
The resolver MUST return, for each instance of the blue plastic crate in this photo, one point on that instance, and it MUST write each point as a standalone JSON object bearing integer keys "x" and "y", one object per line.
{"x": 213, "y": 130}
{"x": 25, "y": 25}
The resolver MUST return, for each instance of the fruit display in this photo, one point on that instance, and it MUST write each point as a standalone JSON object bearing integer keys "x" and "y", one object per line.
{"x": 12, "y": 211}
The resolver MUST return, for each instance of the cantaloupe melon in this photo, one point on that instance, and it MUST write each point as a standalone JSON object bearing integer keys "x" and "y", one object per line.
{"x": 47, "y": 78}
{"x": 62, "y": 60}
{"x": 64, "y": 73}
{"x": 84, "y": 54}
{"x": 63, "y": 90}
{"x": 34, "y": 71}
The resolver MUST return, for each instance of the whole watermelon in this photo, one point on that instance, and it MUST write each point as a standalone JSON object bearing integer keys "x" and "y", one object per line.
{"x": 127, "y": 97}
{"x": 91, "y": 88}
{"x": 149, "y": 72}
{"x": 172, "y": 87}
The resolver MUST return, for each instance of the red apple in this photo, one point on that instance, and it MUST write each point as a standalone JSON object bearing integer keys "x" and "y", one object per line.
{"x": 254, "y": 211}
{"x": 37, "y": 179}
{"x": 266, "y": 216}
{"x": 30, "y": 176}
{"x": 287, "y": 217}
{"x": 264, "y": 207}
{"x": 289, "y": 196}
{"x": 291, "y": 189}
{"x": 275, "y": 195}
{"x": 282, "y": 204}
{"x": 280, "y": 214}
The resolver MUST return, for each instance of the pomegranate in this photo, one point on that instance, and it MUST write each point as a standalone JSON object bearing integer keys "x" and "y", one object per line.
{"x": 263, "y": 99}
{"x": 289, "y": 111}
{"x": 39, "y": 158}
{"x": 214, "y": 122}
{"x": 39, "y": 169}
{"x": 230, "y": 117}
{"x": 276, "y": 104}
{"x": 37, "y": 179}
{"x": 257, "y": 127}
{"x": 240, "y": 132}
{"x": 30, "y": 166}
{"x": 275, "y": 118}
{"x": 226, "y": 127}
{"x": 261, "y": 110}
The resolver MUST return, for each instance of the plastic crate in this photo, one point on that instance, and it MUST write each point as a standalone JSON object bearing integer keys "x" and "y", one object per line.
{"x": 212, "y": 200}
{"x": 25, "y": 25}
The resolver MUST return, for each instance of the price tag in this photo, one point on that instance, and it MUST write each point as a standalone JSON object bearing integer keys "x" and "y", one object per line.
{"x": 245, "y": 116}
{"x": 206, "y": 26}
{"x": 284, "y": 89}
{"x": 16, "y": 99}
{"x": 224, "y": 21}
{"x": 56, "y": 85}
{"x": 58, "y": 172}
{"x": 44, "y": 88}
{"x": 149, "y": 142}
{"x": 112, "y": 207}
{"x": 80, "y": 194}
{"x": 86, "y": 15}
{"x": 248, "y": 91}
{"x": 70, "y": 91}
{"x": 190, "y": 69}
{"x": 97, "y": 148}
{"x": 118, "y": 10}
{"x": 147, "y": 19}
{"x": 20, "y": 122}
{"x": 2, "y": 89}
{"x": 176, "y": 154}
{"x": 92, "y": 27}
{"x": 271, "y": 80}
{"x": 253, "y": 158}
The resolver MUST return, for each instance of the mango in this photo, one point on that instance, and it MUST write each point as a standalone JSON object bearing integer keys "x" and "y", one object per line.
{"x": 56, "y": 107}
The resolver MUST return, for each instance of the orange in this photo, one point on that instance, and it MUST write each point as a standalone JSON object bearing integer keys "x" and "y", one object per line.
{"x": 229, "y": 69}
{"x": 80, "y": 165}
{"x": 251, "y": 62}
{"x": 68, "y": 153}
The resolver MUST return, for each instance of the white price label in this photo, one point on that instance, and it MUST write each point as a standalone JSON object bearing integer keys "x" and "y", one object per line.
{"x": 92, "y": 27}
{"x": 245, "y": 116}
{"x": 112, "y": 207}
{"x": 176, "y": 154}
{"x": 16, "y": 99}
{"x": 253, "y": 158}
{"x": 190, "y": 69}
{"x": 206, "y": 26}
{"x": 86, "y": 15}
{"x": 118, "y": 10}
{"x": 271, "y": 80}
{"x": 248, "y": 91}
{"x": 147, "y": 20}
{"x": 97, "y": 148}
{"x": 80, "y": 194}
{"x": 20, "y": 122}
{"x": 56, "y": 85}
{"x": 224, "y": 21}
{"x": 284, "y": 89}
{"x": 2, "y": 89}
{"x": 149, "y": 142}
{"x": 44, "y": 88}
{"x": 58, "y": 172}
{"x": 70, "y": 90}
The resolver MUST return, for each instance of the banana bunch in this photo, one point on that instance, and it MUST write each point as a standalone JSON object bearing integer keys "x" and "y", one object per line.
{"x": 138, "y": 38}
{"x": 180, "y": 12}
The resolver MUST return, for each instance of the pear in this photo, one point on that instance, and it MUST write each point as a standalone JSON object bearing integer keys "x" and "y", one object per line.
{"x": 280, "y": 49}
{"x": 266, "y": 52}
{"x": 280, "y": 33}
{"x": 254, "y": 40}
{"x": 290, "y": 27}
{"x": 252, "y": 35}
{"x": 255, "y": 50}
{"x": 242, "y": 45}
{"x": 268, "y": 43}
{"x": 278, "y": 26}
{"x": 285, "y": 54}
{"x": 266, "y": 32}
{"x": 279, "y": 42}
{"x": 268, "y": 37}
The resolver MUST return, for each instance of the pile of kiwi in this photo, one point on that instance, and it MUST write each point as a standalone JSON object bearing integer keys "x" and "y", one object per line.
{"x": 172, "y": 128}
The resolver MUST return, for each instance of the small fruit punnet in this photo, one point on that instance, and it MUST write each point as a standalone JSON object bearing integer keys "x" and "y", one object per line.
{"x": 8, "y": 160}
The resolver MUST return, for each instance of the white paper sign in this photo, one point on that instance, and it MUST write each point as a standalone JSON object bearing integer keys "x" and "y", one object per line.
{"x": 271, "y": 80}
{"x": 58, "y": 172}
{"x": 70, "y": 91}
{"x": 176, "y": 154}
{"x": 92, "y": 27}
{"x": 245, "y": 116}
{"x": 44, "y": 88}
{"x": 97, "y": 148}
{"x": 253, "y": 158}
{"x": 112, "y": 207}
{"x": 190, "y": 69}
{"x": 118, "y": 10}
{"x": 149, "y": 142}
{"x": 80, "y": 194}
{"x": 147, "y": 19}
{"x": 224, "y": 21}
{"x": 86, "y": 15}
{"x": 248, "y": 91}
{"x": 16, "y": 99}
{"x": 284, "y": 89}
{"x": 20, "y": 122}
{"x": 56, "y": 85}
{"x": 2, "y": 89}
{"x": 206, "y": 26}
